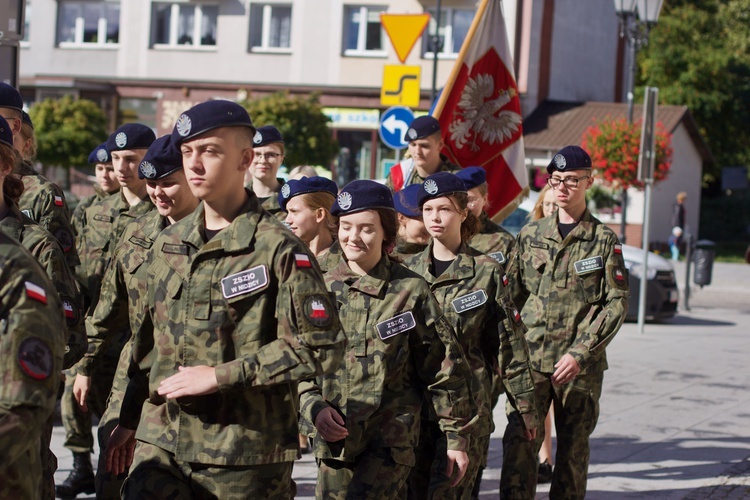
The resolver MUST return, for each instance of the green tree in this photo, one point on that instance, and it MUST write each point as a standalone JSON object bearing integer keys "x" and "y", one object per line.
{"x": 699, "y": 56}
{"x": 300, "y": 119}
{"x": 67, "y": 130}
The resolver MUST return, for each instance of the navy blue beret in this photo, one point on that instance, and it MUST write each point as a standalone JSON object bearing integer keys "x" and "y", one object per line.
{"x": 6, "y": 135}
{"x": 304, "y": 185}
{"x": 267, "y": 134}
{"x": 405, "y": 201}
{"x": 570, "y": 158}
{"x": 440, "y": 184}
{"x": 421, "y": 127}
{"x": 207, "y": 116}
{"x": 472, "y": 176}
{"x": 10, "y": 97}
{"x": 131, "y": 136}
{"x": 362, "y": 195}
{"x": 26, "y": 119}
{"x": 161, "y": 160}
{"x": 100, "y": 155}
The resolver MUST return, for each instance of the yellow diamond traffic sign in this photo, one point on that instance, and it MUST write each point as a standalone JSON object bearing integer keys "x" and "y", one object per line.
{"x": 400, "y": 85}
{"x": 404, "y": 30}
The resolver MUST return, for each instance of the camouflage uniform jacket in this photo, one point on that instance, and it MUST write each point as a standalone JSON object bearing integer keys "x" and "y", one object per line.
{"x": 493, "y": 240}
{"x": 31, "y": 353}
{"x": 573, "y": 293}
{"x": 331, "y": 258}
{"x": 271, "y": 204}
{"x": 46, "y": 250}
{"x": 78, "y": 219}
{"x": 400, "y": 352}
{"x": 414, "y": 177}
{"x": 477, "y": 303}
{"x": 104, "y": 223}
{"x": 119, "y": 310}
{"x": 44, "y": 202}
{"x": 252, "y": 303}
{"x": 405, "y": 250}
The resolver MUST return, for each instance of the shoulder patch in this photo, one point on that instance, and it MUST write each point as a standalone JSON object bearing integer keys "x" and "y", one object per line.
{"x": 516, "y": 316}
{"x": 302, "y": 259}
{"x": 36, "y": 292}
{"x": 71, "y": 312}
{"x": 174, "y": 249}
{"x": 244, "y": 282}
{"x": 35, "y": 358}
{"x": 469, "y": 301}
{"x": 619, "y": 276}
{"x": 498, "y": 256}
{"x": 589, "y": 265}
{"x": 505, "y": 280}
{"x": 317, "y": 310}
{"x": 64, "y": 237}
{"x": 538, "y": 244}
{"x": 398, "y": 324}
{"x": 141, "y": 242}
{"x": 103, "y": 218}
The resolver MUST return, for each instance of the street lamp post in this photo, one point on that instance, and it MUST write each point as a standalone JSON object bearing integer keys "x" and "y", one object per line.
{"x": 637, "y": 17}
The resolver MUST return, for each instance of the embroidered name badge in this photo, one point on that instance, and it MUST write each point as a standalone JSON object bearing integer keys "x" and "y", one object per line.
{"x": 103, "y": 218}
{"x": 244, "y": 282}
{"x": 397, "y": 324}
{"x": 174, "y": 249}
{"x": 588, "y": 265}
{"x": 469, "y": 301}
{"x": 498, "y": 256}
{"x": 317, "y": 311}
{"x": 140, "y": 242}
{"x": 35, "y": 358}
{"x": 538, "y": 244}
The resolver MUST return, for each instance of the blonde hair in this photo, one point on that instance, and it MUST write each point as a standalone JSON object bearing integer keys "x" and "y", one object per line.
{"x": 302, "y": 171}
{"x": 324, "y": 200}
{"x": 29, "y": 138}
{"x": 538, "y": 211}
{"x": 681, "y": 196}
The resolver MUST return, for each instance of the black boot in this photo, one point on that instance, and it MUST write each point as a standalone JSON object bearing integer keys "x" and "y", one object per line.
{"x": 80, "y": 480}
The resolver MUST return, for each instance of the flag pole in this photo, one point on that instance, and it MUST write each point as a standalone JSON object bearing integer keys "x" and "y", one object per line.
{"x": 461, "y": 56}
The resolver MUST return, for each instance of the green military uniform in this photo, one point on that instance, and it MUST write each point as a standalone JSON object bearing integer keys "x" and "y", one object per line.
{"x": 331, "y": 258}
{"x": 78, "y": 219}
{"x": 404, "y": 250}
{"x": 401, "y": 352}
{"x": 44, "y": 203}
{"x": 574, "y": 297}
{"x": 473, "y": 295}
{"x": 271, "y": 204}
{"x": 32, "y": 344}
{"x": 250, "y": 302}
{"x": 493, "y": 240}
{"x": 414, "y": 177}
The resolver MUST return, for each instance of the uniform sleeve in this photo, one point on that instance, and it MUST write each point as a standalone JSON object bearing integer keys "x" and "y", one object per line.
{"x": 309, "y": 337}
{"x": 55, "y": 218}
{"x": 445, "y": 373}
{"x": 610, "y": 313}
{"x": 514, "y": 271}
{"x": 31, "y": 352}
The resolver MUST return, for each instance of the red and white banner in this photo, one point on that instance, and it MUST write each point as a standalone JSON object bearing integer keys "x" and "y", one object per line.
{"x": 480, "y": 111}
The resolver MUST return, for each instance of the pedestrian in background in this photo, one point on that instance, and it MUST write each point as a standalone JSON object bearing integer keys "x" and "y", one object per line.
{"x": 106, "y": 185}
{"x": 262, "y": 175}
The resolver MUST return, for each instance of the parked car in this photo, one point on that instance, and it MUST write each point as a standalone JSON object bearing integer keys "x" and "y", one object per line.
{"x": 662, "y": 295}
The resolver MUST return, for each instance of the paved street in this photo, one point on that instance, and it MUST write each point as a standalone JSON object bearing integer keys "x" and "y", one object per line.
{"x": 675, "y": 410}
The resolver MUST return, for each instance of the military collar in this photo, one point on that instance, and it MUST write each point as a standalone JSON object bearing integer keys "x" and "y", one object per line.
{"x": 24, "y": 168}
{"x": 488, "y": 227}
{"x": 373, "y": 283}
{"x": 13, "y": 222}
{"x": 583, "y": 231}
{"x": 461, "y": 268}
{"x": 124, "y": 206}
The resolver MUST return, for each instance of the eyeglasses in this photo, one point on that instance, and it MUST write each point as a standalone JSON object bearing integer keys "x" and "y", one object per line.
{"x": 267, "y": 156}
{"x": 570, "y": 182}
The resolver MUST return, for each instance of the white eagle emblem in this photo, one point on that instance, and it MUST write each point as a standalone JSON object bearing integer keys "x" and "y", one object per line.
{"x": 430, "y": 186}
{"x": 121, "y": 140}
{"x": 345, "y": 200}
{"x": 184, "y": 124}
{"x": 101, "y": 155}
{"x": 148, "y": 169}
{"x": 560, "y": 162}
{"x": 285, "y": 190}
{"x": 257, "y": 138}
{"x": 412, "y": 134}
{"x": 481, "y": 116}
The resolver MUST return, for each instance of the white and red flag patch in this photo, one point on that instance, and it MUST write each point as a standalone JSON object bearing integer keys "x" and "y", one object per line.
{"x": 302, "y": 260}
{"x": 618, "y": 249}
{"x": 36, "y": 292}
{"x": 59, "y": 201}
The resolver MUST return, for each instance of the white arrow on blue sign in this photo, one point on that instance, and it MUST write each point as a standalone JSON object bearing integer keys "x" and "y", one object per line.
{"x": 394, "y": 123}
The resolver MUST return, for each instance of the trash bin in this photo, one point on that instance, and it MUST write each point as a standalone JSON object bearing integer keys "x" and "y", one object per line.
{"x": 703, "y": 258}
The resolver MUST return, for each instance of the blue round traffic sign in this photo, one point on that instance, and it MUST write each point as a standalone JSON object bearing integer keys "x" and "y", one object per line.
{"x": 394, "y": 123}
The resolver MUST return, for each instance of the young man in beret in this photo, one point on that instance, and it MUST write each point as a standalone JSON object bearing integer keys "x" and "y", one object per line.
{"x": 268, "y": 146}
{"x": 106, "y": 185}
{"x": 236, "y": 314}
{"x": 88, "y": 385}
{"x": 425, "y": 144}
{"x": 42, "y": 200}
{"x": 568, "y": 277}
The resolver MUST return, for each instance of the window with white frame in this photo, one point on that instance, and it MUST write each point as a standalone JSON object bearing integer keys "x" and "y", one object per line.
{"x": 88, "y": 23}
{"x": 454, "y": 26}
{"x": 270, "y": 27}
{"x": 363, "y": 34}
{"x": 183, "y": 24}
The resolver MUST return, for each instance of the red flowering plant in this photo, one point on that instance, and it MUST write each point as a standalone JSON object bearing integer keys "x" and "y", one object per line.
{"x": 614, "y": 145}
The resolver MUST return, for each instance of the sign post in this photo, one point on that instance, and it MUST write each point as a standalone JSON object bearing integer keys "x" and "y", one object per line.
{"x": 394, "y": 123}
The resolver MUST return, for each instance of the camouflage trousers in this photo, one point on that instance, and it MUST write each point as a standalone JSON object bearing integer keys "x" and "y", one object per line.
{"x": 20, "y": 479}
{"x": 378, "y": 473}
{"x": 156, "y": 475}
{"x": 576, "y": 413}
{"x": 49, "y": 462}
{"x": 428, "y": 480}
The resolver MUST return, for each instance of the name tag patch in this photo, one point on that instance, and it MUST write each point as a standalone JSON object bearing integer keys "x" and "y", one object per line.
{"x": 538, "y": 244}
{"x": 588, "y": 265}
{"x": 140, "y": 242}
{"x": 469, "y": 301}
{"x": 498, "y": 256}
{"x": 397, "y": 324}
{"x": 103, "y": 218}
{"x": 174, "y": 249}
{"x": 244, "y": 282}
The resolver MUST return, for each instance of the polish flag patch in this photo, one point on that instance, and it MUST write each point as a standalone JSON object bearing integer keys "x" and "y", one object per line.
{"x": 58, "y": 201}
{"x": 302, "y": 260}
{"x": 36, "y": 292}
{"x": 505, "y": 280}
{"x": 68, "y": 309}
{"x": 618, "y": 249}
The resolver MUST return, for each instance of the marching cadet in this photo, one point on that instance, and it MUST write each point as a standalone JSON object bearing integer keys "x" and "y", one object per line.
{"x": 27, "y": 138}
{"x": 401, "y": 352}
{"x": 568, "y": 276}
{"x": 307, "y": 203}
{"x": 237, "y": 313}
{"x": 120, "y": 306}
{"x": 46, "y": 250}
{"x": 412, "y": 235}
{"x": 106, "y": 185}
{"x": 89, "y": 383}
{"x": 425, "y": 143}
{"x": 42, "y": 201}
{"x": 261, "y": 177}
{"x": 471, "y": 289}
